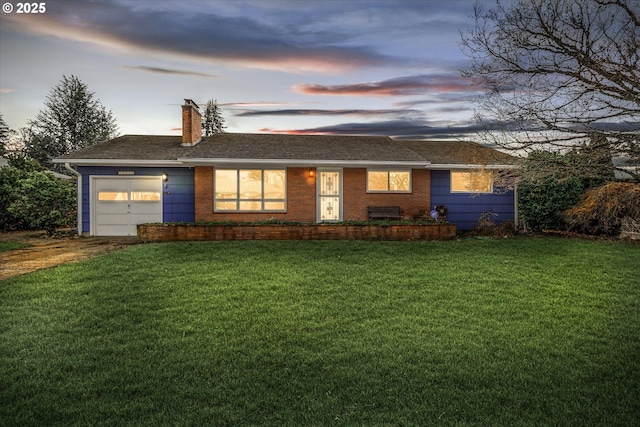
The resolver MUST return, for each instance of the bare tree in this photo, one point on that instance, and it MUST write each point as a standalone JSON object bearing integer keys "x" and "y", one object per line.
{"x": 560, "y": 75}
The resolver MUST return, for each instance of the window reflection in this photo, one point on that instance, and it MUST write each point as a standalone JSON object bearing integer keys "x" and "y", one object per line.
{"x": 113, "y": 196}
{"x": 145, "y": 196}
{"x": 471, "y": 181}
{"x": 389, "y": 181}
{"x": 250, "y": 190}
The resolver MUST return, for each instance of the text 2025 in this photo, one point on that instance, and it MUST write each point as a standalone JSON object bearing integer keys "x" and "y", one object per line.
{"x": 31, "y": 7}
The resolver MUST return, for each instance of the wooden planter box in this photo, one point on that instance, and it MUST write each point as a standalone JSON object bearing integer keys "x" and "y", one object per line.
{"x": 176, "y": 232}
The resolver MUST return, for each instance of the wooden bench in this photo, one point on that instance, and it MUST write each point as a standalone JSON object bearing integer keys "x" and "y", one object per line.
{"x": 384, "y": 212}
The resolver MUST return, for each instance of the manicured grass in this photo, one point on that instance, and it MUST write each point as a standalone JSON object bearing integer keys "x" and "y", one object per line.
{"x": 10, "y": 246}
{"x": 478, "y": 332}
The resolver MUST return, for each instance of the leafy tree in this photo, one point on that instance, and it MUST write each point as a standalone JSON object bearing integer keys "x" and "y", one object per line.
{"x": 559, "y": 74}
{"x": 72, "y": 119}
{"x": 212, "y": 122}
{"x": 31, "y": 199}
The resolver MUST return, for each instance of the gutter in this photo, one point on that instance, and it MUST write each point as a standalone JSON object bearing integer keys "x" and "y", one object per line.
{"x": 456, "y": 166}
{"x": 79, "y": 196}
{"x": 229, "y": 162}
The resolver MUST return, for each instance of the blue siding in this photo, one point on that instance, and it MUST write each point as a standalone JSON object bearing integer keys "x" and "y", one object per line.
{"x": 178, "y": 192}
{"x": 464, "y": 209}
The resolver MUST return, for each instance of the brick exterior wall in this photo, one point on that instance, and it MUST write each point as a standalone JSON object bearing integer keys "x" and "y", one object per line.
{"x": 356, "y": 199}
{"x": 167, "y": 233}
{"x": 301, "y": 193}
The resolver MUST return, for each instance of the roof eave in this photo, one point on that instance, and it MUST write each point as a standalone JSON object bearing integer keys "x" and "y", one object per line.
{"x": 187, "y": 162}
{"x": 447, "y": 166}
{"x": 120, "y": 162}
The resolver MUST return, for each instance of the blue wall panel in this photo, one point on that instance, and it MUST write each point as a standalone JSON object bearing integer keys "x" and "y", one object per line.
{"x": 464, "y": 209}
{"x": 177, "y": 198}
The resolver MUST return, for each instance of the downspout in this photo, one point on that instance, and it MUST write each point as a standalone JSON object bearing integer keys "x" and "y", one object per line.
{"x": 79, "y": 197}
{"x": 516, "y": 212}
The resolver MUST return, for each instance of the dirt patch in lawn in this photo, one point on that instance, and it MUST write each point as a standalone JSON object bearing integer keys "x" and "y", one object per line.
{"x": 48, "y": 251}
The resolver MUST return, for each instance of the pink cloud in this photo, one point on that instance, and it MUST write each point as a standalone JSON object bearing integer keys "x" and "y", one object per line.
{"x": 401, "y": 86}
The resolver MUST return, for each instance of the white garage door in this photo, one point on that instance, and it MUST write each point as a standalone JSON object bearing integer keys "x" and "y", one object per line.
{"x": 119, "y": 204}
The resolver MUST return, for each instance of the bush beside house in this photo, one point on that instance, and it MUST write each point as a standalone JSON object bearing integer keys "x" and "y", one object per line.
{"x": 542, "y": 204}
{"x": 606, "y": 209}
{"x": 32, "y": 199}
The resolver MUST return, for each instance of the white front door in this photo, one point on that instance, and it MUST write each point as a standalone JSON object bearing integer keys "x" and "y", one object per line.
{"x": 329, "y": 195}
{"x": 118, "y": 204}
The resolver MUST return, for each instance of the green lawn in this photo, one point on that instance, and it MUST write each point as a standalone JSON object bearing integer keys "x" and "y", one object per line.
{"x": 10, "y": 246}
{"x": 478, "y": 332}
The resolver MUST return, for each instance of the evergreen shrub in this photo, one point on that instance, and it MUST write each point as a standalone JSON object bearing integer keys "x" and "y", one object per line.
{"x": 542, "y": 204}
{"x": 32, "y": 199}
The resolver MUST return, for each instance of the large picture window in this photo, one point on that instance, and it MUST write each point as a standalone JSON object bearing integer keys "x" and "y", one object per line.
{"x": 250, "y": 190}
{"x": 384, "y": 181}
{"x": 471, "y": 182}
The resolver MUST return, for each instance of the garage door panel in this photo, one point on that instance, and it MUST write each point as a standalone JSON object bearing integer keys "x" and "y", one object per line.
{"x": 111, "y": 218}
{"x": 144, "y": 208}
{"x": 111, "y": 184}
{"x": 112, "y": 208}
{"x": 113, "y": 230}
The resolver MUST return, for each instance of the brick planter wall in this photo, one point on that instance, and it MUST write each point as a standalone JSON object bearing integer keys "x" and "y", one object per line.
{"x": 173, "y": 232}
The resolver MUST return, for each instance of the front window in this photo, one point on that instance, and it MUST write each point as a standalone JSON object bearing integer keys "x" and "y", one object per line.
{"x": 250, "y": 190}
{"x": 471, "y": 182}
{"x": 384, "y": 181}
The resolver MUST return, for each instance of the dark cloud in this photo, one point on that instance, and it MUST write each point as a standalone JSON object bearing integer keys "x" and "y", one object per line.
{"x": 308, "y": 112}
{"x": 169, "y": 71}
{"x": 614, "y": 126}
{"x": 442, "y": 99}
{"x": 203, "y": 34}
{"x": 260, "y": 104}
{"x": 400, "y": 129}
{"x": 399, "y": 86}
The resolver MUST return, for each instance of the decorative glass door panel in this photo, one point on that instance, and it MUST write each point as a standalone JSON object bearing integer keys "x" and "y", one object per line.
{"x": 329, "y": 195}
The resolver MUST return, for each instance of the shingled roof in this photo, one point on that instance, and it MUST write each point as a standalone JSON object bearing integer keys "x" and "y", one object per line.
{"x": 144, "y": 149}
{"x": 459, "y": 153}
{"x": 303, "y": 147}
{"x": 229, "y": 148}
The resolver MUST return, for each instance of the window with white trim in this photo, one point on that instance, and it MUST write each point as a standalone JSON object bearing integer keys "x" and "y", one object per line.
{"x": 389, "y": 181}
{"x": 250, "y": 190}
{"x": 471, "y": 182}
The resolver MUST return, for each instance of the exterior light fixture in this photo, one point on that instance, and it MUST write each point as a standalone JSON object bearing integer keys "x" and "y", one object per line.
{"x": 312, "y": 172}
{"x": 165, "y": 177}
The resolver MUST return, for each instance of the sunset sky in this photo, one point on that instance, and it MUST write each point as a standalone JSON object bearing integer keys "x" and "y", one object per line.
{"x": 385, "y": 67}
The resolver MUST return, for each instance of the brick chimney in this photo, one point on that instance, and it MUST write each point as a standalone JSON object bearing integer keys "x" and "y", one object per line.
{"x": 191, "y": 124}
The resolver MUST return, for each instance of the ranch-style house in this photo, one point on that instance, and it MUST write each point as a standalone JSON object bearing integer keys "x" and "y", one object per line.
{"x": 136, "y": 179}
